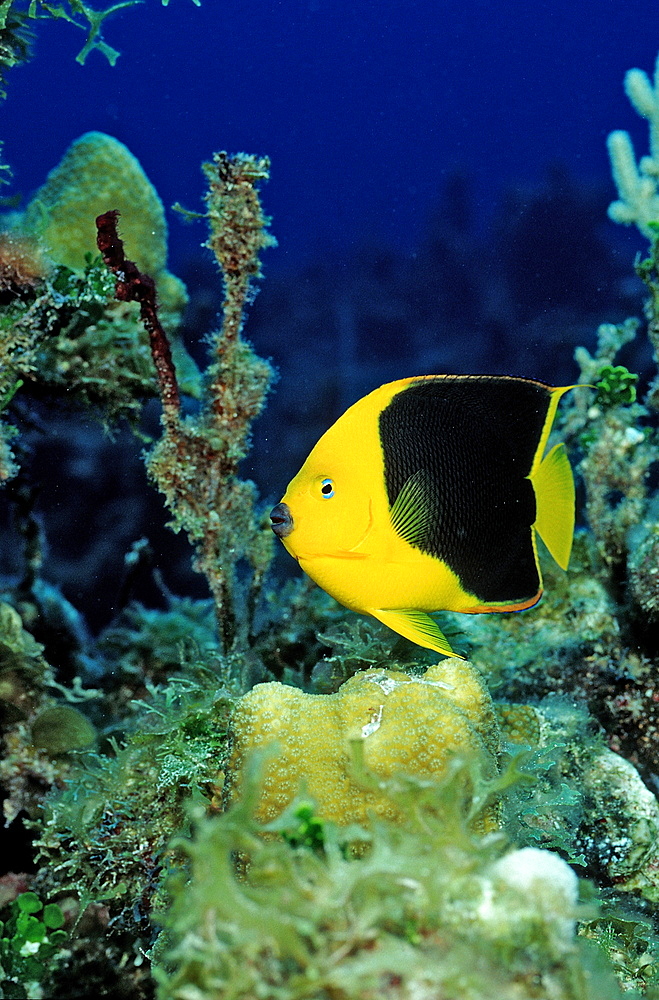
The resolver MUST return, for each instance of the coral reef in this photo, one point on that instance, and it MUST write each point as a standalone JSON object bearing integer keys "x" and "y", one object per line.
{"x": 396, "y": 723}
{"x": 254, "y": 794}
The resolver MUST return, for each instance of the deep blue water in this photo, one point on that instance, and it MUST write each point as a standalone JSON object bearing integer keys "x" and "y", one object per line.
{"x": 362, "y": 106}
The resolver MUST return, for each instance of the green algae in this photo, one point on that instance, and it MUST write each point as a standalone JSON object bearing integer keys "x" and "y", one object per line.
{"x": 426, "y": 909}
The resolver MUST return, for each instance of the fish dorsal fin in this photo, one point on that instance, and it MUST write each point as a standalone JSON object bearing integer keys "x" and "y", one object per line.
{"x": 411, "y": 512}
{"x": 554, "y": 495}
{"x": 416, "y": 626}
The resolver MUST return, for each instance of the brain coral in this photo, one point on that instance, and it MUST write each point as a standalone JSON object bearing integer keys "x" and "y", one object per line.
{"x": 98, "y": 173}
{"x": 410, "y": 725}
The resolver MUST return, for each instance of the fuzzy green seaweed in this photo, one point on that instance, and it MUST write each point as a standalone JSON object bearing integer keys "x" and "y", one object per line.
{"x": 408, "y": 915}
{"x": 124, "y": 807}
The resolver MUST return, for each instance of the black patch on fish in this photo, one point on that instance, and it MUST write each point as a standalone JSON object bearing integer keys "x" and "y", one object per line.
{"x": 473, "y": 439}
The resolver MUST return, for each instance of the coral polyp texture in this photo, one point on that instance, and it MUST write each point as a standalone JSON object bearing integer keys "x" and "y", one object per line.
{"x": 399, "y": 724}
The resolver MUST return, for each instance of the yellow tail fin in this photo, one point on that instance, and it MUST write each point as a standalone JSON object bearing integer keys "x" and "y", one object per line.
{"x": 554, "y": 496}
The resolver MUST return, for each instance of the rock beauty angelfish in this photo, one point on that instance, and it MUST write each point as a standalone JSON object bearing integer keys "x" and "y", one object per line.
{"x": 427, "y": 495}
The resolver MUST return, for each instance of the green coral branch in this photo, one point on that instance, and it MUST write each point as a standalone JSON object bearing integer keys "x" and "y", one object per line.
{"x": 93, "y": 27}
{"x": 15, "y": 35}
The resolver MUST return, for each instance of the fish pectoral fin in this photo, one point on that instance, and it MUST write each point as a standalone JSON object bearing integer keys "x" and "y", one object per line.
{"x": 411, "y": 512}
{"x": 554, "y": 494}
{"x": 416, "y": 626}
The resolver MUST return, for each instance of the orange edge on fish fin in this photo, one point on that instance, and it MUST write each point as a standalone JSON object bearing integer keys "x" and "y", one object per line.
{"x": 484, "y": 609}
{"x": 416, "y": 626}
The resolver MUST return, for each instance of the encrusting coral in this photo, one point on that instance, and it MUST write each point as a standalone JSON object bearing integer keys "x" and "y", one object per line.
{"x": 403, "y": 724}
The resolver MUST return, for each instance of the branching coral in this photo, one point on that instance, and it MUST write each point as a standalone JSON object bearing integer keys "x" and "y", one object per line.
{"x": 637, "y": 184}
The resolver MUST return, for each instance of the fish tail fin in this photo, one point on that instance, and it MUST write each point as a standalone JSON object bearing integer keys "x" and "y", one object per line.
{"x": 554, "y": 494}
{"x": 418, "y": 627}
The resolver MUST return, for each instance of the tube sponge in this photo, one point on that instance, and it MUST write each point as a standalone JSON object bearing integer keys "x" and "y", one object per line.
{"x": 411, "y": 725}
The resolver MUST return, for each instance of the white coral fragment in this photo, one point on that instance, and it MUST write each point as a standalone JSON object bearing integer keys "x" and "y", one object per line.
{"x": 637, "y": 183}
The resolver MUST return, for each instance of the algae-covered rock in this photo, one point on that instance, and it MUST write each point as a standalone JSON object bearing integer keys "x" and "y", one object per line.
{"x": 62, "y": 728}
{"x": 411, "y": 725}
{"x": 620, "y": 831}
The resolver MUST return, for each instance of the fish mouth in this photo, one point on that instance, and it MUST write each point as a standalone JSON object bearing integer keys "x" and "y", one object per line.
{"x": 281, "y": 520}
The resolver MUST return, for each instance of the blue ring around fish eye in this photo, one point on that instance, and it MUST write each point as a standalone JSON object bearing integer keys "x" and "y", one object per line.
{"x": 327, "y": 489}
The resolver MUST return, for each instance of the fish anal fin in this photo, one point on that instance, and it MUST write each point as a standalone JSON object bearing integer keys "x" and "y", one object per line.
{"x": 554, "y": 493}
{"x": 411, "y": 510}
{"x": 416, "y": 626}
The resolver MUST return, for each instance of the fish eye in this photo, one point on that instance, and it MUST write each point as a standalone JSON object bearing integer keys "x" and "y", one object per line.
{"x": 327, "y": 489}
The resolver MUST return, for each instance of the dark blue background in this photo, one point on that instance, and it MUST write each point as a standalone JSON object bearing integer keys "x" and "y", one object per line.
{"x": 362, "y": 106}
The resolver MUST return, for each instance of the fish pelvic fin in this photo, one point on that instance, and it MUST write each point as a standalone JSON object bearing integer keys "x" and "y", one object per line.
{"x": 418, "y": 627}
{"x": 554, "y": 494}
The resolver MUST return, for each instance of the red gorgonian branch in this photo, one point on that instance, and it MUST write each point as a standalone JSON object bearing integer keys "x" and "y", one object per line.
{"x": 134, "y": 286}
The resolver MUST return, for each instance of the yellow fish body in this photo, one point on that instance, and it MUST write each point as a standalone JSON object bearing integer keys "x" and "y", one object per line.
{"x": 427, "y": 494}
